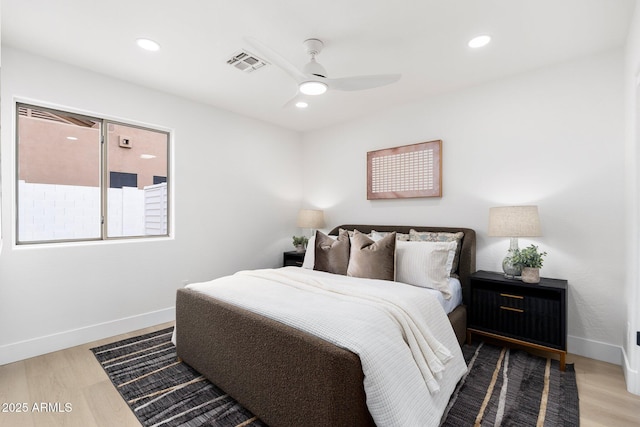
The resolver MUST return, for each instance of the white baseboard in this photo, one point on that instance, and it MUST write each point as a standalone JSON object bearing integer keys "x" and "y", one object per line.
{"x": 37, "y": 346}
{"x": 631, "y": 376}
{"x": 595, "y": 350}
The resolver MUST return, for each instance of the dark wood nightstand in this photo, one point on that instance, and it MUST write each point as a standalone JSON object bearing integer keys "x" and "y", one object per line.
{"x": 293, "y": 258}
{"x": 531, "y": 315}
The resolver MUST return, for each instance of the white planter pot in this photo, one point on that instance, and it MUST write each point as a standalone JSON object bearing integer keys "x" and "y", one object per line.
{"x": 531, "y": 275}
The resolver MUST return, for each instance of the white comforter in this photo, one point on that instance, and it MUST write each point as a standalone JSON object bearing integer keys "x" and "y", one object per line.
{"x": 409, "y": 354}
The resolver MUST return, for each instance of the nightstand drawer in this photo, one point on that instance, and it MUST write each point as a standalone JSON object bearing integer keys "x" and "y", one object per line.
{"x": 530, "y": 318}
{"x": 511, "y": 301}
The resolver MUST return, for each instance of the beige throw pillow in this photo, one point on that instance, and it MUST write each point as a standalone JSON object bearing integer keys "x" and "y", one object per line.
{"x": 372, "y": 260}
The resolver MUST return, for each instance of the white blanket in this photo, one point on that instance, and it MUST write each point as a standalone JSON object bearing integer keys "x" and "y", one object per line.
{"x": 409, "y": 354}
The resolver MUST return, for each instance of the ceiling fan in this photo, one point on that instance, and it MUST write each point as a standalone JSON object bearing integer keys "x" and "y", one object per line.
{"x": 312, "y": 78}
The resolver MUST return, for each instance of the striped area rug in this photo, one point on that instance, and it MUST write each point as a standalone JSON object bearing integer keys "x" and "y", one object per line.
{"x": 164, "y": 392}
{"x": 503, "y": 387}
{"x": 506, "y": 387}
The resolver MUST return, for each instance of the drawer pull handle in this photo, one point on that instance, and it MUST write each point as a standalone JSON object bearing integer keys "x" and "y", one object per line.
{"x": 511, "y": 309}
{"x": 512, "y": 296}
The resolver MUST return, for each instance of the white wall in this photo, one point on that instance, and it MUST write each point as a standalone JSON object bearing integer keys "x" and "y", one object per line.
{"x": 553, "y": 137}
{"x": 54, "y": 296}
{"x": 631, "y": 365}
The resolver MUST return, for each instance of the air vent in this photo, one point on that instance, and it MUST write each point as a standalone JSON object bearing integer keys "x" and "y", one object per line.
{"x": 245, "y": 61}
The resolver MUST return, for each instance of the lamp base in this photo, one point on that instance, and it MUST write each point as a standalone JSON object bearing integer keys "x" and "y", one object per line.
{"x": 511, "y": 271}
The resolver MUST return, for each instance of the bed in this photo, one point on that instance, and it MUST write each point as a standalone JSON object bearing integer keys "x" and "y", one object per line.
{"x": 286, "y": 376}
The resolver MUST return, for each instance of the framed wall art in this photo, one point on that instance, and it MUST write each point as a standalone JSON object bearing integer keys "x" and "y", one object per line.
{"x": 407, "y": 171}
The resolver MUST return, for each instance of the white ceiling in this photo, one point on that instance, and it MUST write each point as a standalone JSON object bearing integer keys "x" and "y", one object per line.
{"x": 425, "y": 40}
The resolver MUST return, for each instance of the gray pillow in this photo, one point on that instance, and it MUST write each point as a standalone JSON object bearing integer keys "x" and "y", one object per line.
{"x": 372, "y": 260}
{"x": 332, "y": 255}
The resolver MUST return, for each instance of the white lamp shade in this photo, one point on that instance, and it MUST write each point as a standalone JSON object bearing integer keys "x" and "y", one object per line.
{"x": 514, "y": 221}
{"x": 310, "y": 218}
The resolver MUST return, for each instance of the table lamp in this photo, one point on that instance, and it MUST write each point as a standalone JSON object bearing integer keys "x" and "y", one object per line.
{"x": 310, "y": 218}
{"x": 513, "y": 222}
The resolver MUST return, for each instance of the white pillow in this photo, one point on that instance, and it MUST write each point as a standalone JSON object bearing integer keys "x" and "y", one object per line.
{"x": 377, "y": 235}
{"x": 310, "y": 254}
{"x": 425, "y": 264}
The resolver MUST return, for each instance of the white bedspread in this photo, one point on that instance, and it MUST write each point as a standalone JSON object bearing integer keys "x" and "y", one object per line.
{"x": 409, "y": 354}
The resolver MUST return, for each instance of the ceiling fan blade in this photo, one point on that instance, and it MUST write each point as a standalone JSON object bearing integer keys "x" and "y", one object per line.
{"x": 299, "y": 97}
{"x": 275, "y": 58}
{"x": 293, "y": 101}
{"x": 363, "y": 82}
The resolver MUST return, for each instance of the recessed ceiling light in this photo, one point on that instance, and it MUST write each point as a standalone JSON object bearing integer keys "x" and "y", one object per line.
{"x": 148, "y": 44}
{"x": 313, "y": 88}
{"x": 147, "y": 156}
{"x": 72, "y": 138}
{"x": 301, "y": 104}
{"x": 479, "y": 41}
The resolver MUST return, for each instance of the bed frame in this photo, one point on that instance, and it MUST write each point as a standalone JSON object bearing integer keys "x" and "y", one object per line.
{"x": 285, "y": 376}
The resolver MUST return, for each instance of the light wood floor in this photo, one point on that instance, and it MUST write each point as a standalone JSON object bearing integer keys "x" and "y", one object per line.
{"x": 74, "y": 376}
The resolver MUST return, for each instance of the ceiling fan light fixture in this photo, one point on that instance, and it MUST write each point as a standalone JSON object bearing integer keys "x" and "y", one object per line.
{"x": 479, "y": 41}
{"x": 313, "y": 87}
{"x": 148, "y": 44}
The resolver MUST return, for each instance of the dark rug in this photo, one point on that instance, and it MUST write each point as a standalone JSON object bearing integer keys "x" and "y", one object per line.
{"x": 503, "y": 387}
{"x": 507, "y": 387}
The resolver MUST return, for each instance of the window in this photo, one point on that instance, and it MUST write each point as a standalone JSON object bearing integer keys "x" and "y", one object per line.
{"x": 123, "y": 179}
{"x": 87, "y": 178}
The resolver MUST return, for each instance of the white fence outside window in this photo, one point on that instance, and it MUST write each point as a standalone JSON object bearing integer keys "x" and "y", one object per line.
{"x": 58, "y": 212}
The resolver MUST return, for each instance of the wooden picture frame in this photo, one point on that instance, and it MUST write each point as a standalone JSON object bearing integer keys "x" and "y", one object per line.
{"x": 408, "y": 171}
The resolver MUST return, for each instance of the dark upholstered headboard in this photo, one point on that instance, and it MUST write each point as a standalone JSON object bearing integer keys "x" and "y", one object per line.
{"x": 467, "y": 264}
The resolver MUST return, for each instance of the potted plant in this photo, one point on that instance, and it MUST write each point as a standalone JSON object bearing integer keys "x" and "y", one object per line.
{"x": 300, "y": 242}
{"x": 531, "y": 262}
